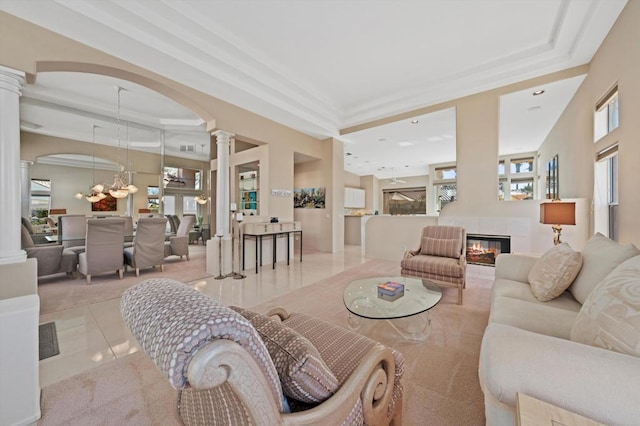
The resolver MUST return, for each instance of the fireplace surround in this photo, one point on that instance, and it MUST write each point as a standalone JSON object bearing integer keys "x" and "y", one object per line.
{"x": 482, "y": 249}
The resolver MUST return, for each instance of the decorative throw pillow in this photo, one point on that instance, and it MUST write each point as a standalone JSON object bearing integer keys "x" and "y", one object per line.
{"x": 441, "y": 247}
{"x": 554, "y": 272}
{"x": 610, "y": 317}
{"x": 303, "y": 374}
{"x": 599, "y": 256}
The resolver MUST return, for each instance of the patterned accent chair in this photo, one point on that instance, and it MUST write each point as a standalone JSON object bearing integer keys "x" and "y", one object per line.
{"x": 441, "y": 258}
{"x": 222, "y": 363}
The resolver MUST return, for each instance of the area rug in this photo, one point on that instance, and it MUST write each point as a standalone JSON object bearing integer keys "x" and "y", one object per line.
{"x": 440, "y": 383}
{"x": 59, "y": 292}
{"x": 47, "y": 341}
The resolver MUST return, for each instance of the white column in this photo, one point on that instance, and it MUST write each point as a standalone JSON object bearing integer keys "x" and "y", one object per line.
{"x": 222, "y": 184}
{"x": 25, "y": 182}
{"x": 11, "y": 82}
{"x": 219, "y": 249}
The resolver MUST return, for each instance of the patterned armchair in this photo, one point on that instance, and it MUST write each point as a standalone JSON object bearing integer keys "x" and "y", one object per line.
{"x": 441, "y": 258}
{"x": 236, "y": 367}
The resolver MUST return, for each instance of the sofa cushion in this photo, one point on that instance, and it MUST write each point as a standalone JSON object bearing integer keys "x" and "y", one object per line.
{"x": 599, "y": 257}
{"x": 303, "y": 373}
{"x": 441, "y": 247}
{"x": 554, "y": 272}
{"x": 519, "y": 290}
{"x": 610, "y": 317}
{"x": 446, "y": 268}
{"x": 535, "y": 316}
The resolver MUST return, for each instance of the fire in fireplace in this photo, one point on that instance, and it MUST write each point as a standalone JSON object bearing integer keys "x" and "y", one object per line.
{"x": 483, "y": 249}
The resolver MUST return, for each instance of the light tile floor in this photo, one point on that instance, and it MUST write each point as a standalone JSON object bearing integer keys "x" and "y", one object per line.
{"x": 95, "y": 334}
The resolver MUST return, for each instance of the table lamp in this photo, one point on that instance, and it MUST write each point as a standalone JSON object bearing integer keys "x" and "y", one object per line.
{"x": 558, "y": 213}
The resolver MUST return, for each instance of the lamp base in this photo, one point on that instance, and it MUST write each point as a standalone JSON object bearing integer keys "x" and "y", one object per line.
{"x": 557, "y": 229}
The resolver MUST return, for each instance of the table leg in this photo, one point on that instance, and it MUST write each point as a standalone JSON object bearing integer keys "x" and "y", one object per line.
{"x": 288, "y": 233}
{"x": 415, "y": 327}
{"x": 275, "y": 244}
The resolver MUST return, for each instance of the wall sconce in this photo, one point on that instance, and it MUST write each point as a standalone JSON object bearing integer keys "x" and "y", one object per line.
{"x": 558, "y": 213}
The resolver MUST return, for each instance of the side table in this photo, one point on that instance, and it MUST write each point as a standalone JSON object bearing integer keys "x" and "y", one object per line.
{"x": 533, "y": 412}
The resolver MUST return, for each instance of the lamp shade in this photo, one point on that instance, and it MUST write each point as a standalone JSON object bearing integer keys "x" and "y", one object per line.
{"x": 558, "y": 213}
{"x": 57, "y": 211}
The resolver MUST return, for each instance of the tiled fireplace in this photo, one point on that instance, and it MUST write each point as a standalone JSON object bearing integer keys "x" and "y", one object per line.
{"x": 483, "y": 249}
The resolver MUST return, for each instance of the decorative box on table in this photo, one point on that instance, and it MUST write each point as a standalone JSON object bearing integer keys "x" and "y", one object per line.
{"x": 390, "y": 290}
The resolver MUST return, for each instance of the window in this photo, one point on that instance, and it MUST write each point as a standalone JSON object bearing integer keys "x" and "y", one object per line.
{"x": 516, "y": 177}
{"x": 521, "y": 165}
{"x": 404, "y": 201}
{"x": 606, "y": 117}
{"x": 179, "y": 178}
{"x": 189, "y": 205}
{"x": 444, "y": 187}
{"x": 40, "y": 198}
{"x": 153, "y": 200}
{"x": 605, "y": 193}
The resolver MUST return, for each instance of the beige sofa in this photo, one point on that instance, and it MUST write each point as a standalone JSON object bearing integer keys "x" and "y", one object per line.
{"x": 560, "y": 351}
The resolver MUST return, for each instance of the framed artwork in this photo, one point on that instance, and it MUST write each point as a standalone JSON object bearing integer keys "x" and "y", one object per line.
{"x": 309, "y": 198}
{"x": 107, "y": 204}
{"x": 553, "y": 189}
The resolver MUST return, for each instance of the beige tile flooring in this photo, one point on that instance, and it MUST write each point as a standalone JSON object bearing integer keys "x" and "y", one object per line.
{"x": 95, "y": 334}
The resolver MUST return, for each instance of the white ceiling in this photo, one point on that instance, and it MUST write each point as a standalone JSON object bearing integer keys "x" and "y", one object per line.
{"x": 321, "y": 66}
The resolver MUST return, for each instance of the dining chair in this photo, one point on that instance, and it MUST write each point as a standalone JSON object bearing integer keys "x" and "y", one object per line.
{"x": 72, "y": 231}
{"x": 103, "y": 249}
{"x": 178, "y": 245}
{"x": 148, "y": 245}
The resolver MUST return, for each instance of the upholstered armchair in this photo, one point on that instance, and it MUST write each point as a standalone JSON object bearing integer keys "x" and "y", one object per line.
{"x": 440, "y": 258}
{"x": 37, "y": 238}
{"x": 52, "y": 258}
{"x": 178, "y": 245}
{"x": 148, "y": 245}
{"x": 236, "y": 367}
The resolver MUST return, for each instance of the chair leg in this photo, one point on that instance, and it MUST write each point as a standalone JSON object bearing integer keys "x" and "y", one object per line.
{"x": 460, "y": 287}
{"x": 162, "y": 268}
{"x": 88, "y": 278}
{"x": 137, "y": 272}
{"x": 121, "y": 273}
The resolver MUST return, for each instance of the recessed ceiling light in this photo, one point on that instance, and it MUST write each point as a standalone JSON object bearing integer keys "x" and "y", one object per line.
{"x": 534, "y": 108}
{"x": 538, "y": 92}
{"x": 415, "y": 121}
{"x": 382, "y": 139}
{"x": 434, "y": 139}
{"x": 347, "y": 154}
{"x": 405, "y": 143}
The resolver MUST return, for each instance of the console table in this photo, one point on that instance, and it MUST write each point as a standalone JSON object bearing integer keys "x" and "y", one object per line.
{"x": 259, "y": 230}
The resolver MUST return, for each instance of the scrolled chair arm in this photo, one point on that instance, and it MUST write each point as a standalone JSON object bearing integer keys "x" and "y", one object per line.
{"x": 225, "y": 361}
{"x": 410, "y": 253}
{"x": 371, "y": 383}
{"x": 174, "y": 324}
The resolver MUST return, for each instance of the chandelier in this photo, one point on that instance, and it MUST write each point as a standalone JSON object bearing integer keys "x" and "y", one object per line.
{"x": 95, "y": 193}
{"x": 118, "y": 188}
{"x": 203, "y": 197}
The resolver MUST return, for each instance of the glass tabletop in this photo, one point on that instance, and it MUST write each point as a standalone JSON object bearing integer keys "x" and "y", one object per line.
{"x": 361, "y": 298}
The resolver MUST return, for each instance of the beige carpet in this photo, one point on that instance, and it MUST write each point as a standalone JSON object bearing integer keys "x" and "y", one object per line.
{"x": 59, "y": 292}
{"x": 441, "y": 380}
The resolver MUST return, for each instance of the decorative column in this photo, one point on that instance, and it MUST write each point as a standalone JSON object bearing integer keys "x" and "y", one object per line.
{"x": 25, "y": 181}
{"x": 11, "y": 82}
{"x": 219, "y": 249}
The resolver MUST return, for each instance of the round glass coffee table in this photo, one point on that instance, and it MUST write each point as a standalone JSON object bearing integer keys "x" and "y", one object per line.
{"x": 362, "y": 301}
